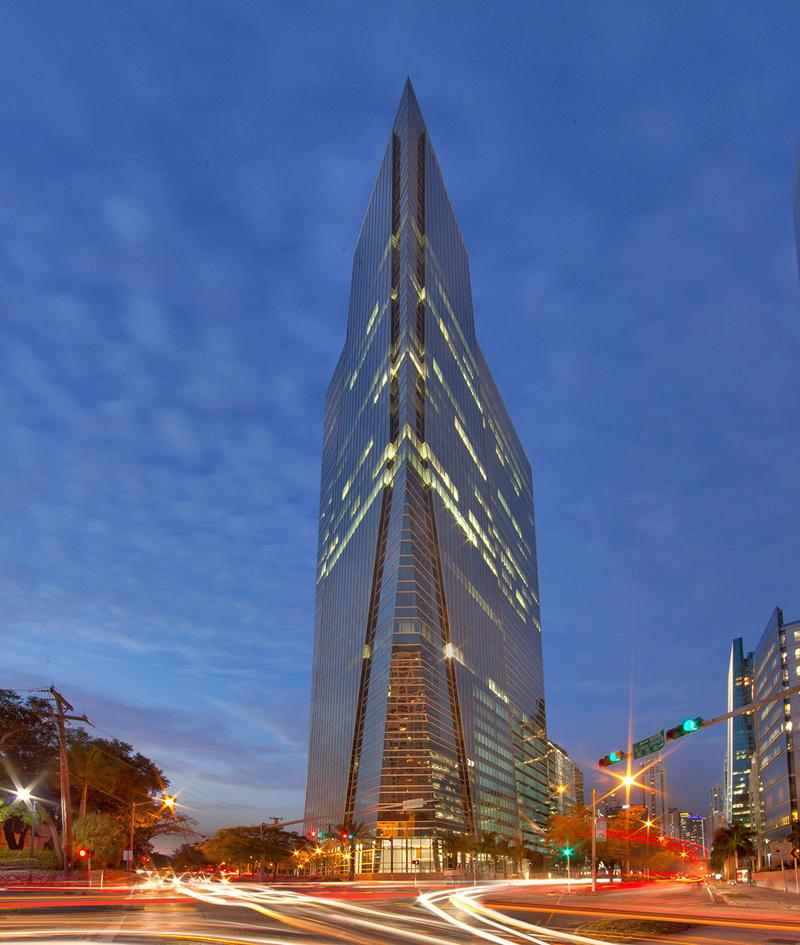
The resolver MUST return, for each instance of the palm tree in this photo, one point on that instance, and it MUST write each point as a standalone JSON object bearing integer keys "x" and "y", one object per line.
{"x": 488, "y": 846}
{"x": 733, "y": 840}
{"x": 504, "y": 847}
{"x": 351, "y": 832}
{"x": 467, "y": 844}
{"x": 451, "y": 846}
{"x": 92, "y": 767}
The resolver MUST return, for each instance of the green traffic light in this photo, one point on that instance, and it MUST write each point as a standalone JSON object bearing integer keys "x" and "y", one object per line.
{"x": 691, "y": 725}
{"x": 615, "y": 756}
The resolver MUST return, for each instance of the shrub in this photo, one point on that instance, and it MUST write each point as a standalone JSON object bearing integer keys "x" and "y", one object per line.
{"x": 19, "y": 859}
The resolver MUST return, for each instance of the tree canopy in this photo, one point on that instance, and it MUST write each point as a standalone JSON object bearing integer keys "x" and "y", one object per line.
{"x": 107, "y": 778}
{"x": 242, "y": 845}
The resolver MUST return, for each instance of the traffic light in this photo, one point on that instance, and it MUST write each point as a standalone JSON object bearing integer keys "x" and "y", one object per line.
{"x": 612, "y": 758}
{"x": 83, "y": 853}
{"x": 685, "y": 728}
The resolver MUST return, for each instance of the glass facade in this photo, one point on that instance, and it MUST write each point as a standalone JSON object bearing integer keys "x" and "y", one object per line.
{"x": 428, "y": 712}
{"x": 740, "y": 740}
{"x": 565, "y": 779}
{"x": 777, "y": 667}
{"x": 655, "y": 788}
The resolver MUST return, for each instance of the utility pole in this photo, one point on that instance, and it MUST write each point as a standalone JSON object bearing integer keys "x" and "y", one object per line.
{"x": 66, "y": 800}
{"x": 594, "y": 840}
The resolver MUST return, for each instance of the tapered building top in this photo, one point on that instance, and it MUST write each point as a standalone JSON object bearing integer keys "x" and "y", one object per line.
{"x": 428, "y": 686}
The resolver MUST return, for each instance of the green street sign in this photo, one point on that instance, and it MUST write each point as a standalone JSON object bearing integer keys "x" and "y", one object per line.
{"x": 648, "y": 745}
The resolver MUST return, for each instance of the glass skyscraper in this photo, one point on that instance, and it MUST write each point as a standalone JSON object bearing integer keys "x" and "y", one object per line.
{"x": 428, "y": 711}
{"x": 740, "y": 741}
{"x": 775, "y": 761}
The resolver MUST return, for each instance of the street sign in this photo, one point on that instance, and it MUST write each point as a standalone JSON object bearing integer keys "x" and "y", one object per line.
{"x": 600, "y": 828}
{"x": 649, "y": 745}
{"x": 781, "y": 850}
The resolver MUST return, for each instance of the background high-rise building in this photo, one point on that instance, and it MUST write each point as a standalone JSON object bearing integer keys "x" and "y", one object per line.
{"x": 740, "y": 741}
{"x": 716, "y": 811}
{"x": 776, "y": 667}
{"x": 565, "y": 779}
{"x": 655, "y": 789}
{"x": 427, "y": 674}
{"x": 693, "y": 829}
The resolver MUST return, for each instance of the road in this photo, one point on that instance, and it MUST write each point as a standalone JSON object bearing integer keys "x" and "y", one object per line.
{"x": 386, "y": 914}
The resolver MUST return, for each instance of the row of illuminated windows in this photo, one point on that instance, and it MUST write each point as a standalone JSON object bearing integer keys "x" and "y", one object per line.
{"x": 351, "y": 480}
{"x": 368, "y": 338}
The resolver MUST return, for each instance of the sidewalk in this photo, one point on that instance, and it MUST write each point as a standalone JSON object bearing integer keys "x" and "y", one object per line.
{"x": 759, "y": 898}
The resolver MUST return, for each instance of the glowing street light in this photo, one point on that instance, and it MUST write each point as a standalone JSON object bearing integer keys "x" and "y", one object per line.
{"x": 166, "y": 801}
{"x": 25, "y": 795}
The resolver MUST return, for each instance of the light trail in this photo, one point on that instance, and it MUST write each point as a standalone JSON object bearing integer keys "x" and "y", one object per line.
{"x": 259, "y": 898}
{"x": 490, "y": 918}
{"x": 486, "y": 924}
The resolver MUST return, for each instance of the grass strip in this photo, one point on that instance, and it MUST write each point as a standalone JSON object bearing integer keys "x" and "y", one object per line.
{"x": 632, "y": 930}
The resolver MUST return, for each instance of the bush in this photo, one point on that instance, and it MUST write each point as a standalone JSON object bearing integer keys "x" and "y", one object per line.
{"x": 19, "y": 859}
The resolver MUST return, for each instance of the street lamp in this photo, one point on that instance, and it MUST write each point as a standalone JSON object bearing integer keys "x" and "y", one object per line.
{"x": 24, "y": 795}
{"x": 166, "y": 801}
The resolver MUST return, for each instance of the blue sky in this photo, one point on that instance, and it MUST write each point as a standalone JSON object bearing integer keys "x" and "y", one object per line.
{"x": 181, "y": 188}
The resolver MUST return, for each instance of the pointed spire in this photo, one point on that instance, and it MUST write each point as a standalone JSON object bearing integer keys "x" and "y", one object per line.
{"x": 408, "y": 110}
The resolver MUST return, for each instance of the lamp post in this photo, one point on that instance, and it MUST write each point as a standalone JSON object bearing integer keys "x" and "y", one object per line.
{"x": 627, "y": 781}
{"x": 25, "y": 795}
{"x": 166, "y": 801}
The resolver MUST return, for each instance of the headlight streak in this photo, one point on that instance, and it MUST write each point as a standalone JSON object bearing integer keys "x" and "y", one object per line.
{"x": 253, "y": 897}
{"x": 464, "y": 900}
{"x": 79, "y": 936}
{"x": 373, "y": 919}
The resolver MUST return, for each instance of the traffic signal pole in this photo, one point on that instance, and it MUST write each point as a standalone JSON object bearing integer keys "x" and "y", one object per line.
{"x": 594, "y": 841}
{"x": 695, "y": 724}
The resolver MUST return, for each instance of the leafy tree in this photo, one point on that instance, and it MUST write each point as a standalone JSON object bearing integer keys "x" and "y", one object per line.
{"x": 573, "y": 829}
{"x": 536, "y": 859}
{"x": 242, "y": 845}
{"x": 101, "y": 833}
{"x": 28, "y": 748}
{"x": 188, "y": 856}
{"x": 107, "y": 776}
{"x": 625, "y": 843}
{"x": 28, "y": 734}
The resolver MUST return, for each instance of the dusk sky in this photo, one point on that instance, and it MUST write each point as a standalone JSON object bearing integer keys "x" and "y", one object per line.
{"x": 182, "y": 185}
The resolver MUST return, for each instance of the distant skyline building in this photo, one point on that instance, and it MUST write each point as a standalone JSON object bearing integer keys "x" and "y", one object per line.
{"x": 716, "y": 811}
{"x": 655, "y": 789}
{"x": 566, "y": 779}
{"x": 740, "y": 742}
{"x": 428, "y": 708}
{"x": 693, "y": 829}
{"x": 776, "y": 667}
{"x": 673, "y": 823}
